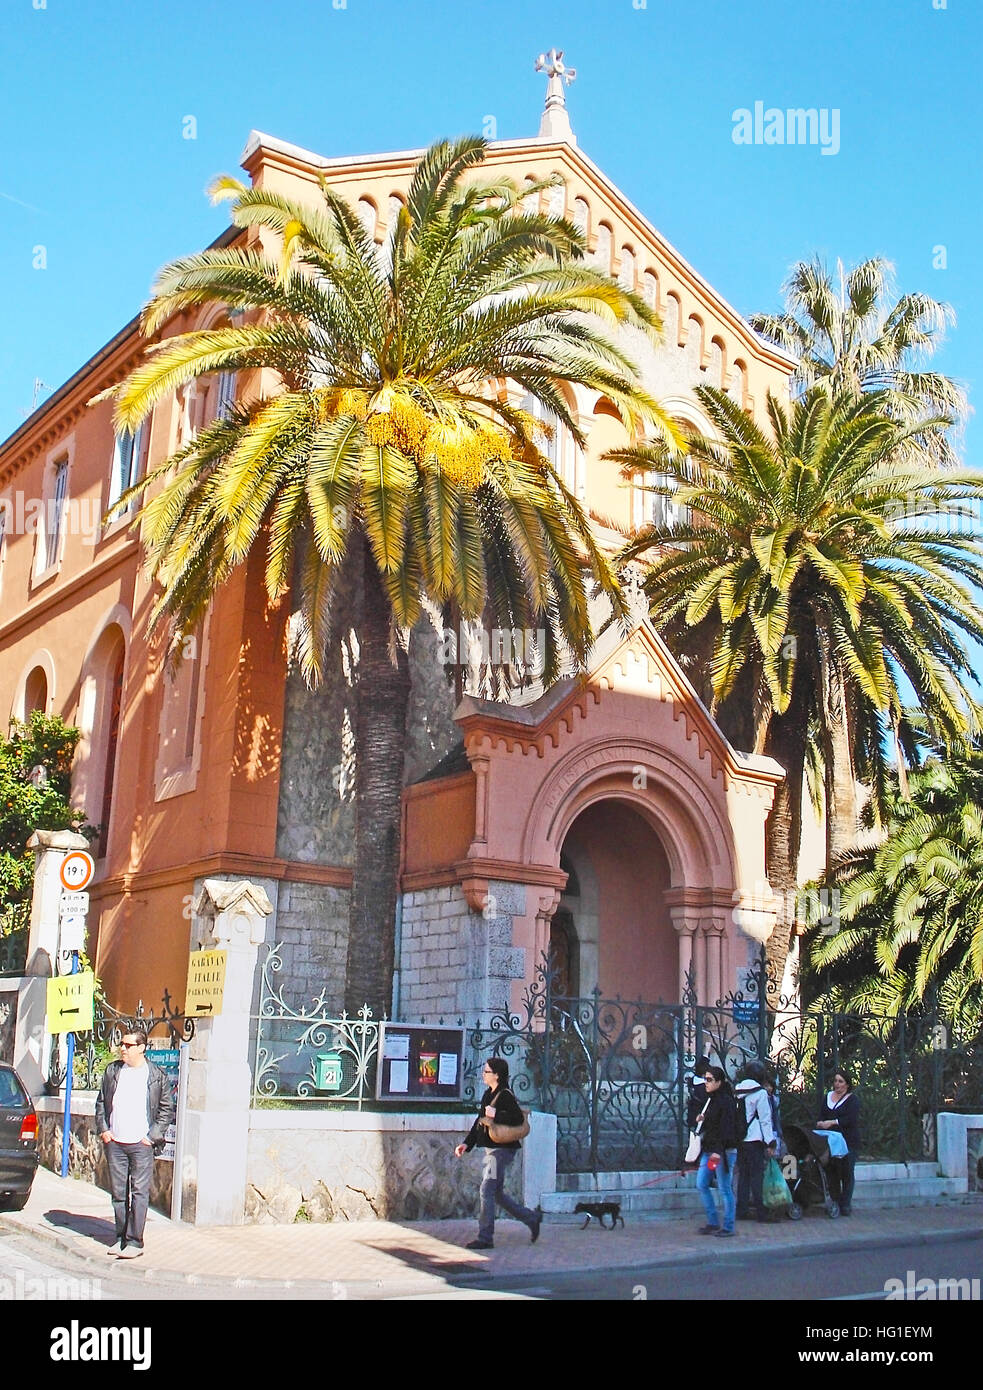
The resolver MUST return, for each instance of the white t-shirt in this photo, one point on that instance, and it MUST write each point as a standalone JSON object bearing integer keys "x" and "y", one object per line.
{"x": 129, "y": 1118}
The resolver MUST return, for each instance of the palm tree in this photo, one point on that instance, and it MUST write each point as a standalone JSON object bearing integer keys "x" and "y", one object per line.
{"x": 911, "y": 907}
{"x": 800, "y": 588}
{"x": 851, "y": 339}
{"x": 389, "y": 461}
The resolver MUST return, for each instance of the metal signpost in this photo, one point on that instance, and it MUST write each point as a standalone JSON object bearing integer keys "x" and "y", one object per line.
{"x": 75, "y": 873}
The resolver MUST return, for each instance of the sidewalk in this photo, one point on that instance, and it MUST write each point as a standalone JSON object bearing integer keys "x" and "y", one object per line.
{"x": 369, "y": 1258}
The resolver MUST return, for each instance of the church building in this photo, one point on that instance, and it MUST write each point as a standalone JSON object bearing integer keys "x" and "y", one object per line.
{"x": 607, "y": 818}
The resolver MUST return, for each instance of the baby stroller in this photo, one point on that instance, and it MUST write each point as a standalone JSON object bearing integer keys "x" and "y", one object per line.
{"x": 811, "y": 1185}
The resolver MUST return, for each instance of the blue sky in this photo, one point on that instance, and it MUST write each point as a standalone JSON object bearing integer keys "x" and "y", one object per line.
{"x": 94, "y": 168}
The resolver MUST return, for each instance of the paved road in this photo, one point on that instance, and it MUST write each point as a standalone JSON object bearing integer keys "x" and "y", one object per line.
{"x": 861, "y": 1276}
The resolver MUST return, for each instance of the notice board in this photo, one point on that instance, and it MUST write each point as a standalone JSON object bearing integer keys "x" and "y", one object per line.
{"x": 420, "y": 1062}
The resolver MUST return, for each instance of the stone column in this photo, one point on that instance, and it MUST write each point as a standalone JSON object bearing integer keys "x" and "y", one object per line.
{"x": 686, "y": 922}
{"x": 32, "y": 1046}
{"x": 230, "y": 917}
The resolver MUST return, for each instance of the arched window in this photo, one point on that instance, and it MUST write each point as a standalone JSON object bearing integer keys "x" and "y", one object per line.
{"x": 36, "y": 692}
{"x": 114, "y": 705}
{"x": 626, "y": 275}
{"x": 368, "y": 215}
{"x": 671, "y": 326}
{"x": 557, "y": 200}
{"x": 738, "y": 382}
{"x": 559, "y": 448}
{"x": 715, "y": 370}
{"x": 581, "y": 215}
{"x": 392, "y": 211}
{"x": 602, "y": 251}
{"x": 530, "y": 203}
{"x": 650, "y": 289}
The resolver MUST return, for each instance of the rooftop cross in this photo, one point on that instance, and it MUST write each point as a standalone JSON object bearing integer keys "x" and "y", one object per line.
{"x": 555, "y": 123}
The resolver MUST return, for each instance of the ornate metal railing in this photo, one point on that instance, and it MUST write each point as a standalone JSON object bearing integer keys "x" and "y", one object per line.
{"x": 615, "y": 1072}
{"x": 96, "y": 1049}
{"x": 308, "y": 1053}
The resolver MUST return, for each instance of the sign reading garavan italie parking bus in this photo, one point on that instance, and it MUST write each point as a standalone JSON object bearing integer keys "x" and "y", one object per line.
{"x": 206, "y": 984}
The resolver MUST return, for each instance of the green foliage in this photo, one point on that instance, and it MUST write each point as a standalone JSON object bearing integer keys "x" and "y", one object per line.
{"x": 27, "y": 805}
{"x": 911, "y": 906}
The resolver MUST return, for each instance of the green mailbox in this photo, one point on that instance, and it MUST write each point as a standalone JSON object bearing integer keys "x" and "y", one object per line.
{"x": 327, "y": 1071}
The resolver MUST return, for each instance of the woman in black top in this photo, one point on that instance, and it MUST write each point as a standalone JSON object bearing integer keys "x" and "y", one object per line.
{"x": 841, "y": 1112}
{"x": 718, "y": 1143}
{"x": 498, "y": 1106}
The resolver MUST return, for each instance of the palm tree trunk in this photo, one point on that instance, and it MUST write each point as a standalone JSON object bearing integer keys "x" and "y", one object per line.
{"x": 840, "y": 782}
{"x": 783, "y": 831}
{"x": 380, "y": 750}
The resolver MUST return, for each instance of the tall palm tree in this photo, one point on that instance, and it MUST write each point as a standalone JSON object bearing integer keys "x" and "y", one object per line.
{"x": 795, "y": 580}
{"x": 911, "y": 907}
{"x": 850, "y": 338}
{"x": 390, "y": 460}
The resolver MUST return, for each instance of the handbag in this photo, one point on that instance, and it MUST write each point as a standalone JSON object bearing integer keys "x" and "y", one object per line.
{"x": 695, "y": 1146}
{"x": 508, "y": 1134}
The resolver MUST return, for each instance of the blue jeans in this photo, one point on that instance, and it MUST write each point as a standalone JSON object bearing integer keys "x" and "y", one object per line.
{"x": 495, "y": 1164}
{"x": 725, "y": 1186}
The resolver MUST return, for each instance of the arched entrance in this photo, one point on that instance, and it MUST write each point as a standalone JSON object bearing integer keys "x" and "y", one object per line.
{"x": 623, "y": 934}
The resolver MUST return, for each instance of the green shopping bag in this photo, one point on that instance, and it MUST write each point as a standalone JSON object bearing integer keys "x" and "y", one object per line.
{"x": 775, "y": 1189}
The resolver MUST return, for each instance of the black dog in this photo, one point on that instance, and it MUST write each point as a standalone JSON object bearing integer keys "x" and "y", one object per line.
{"x": 600, "y": 1210}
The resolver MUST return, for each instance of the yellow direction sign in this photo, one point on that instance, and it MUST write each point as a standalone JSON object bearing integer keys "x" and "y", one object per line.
{"x": 70, "y": 1002}
{"x": 206, "y": 984}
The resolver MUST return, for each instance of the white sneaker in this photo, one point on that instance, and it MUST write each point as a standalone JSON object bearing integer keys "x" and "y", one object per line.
{"x": 115, "y": 1250}
{"x": 131, "y": 1252}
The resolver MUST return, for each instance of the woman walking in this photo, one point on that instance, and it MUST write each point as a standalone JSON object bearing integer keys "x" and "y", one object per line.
{"x": 500, "y": 1107}
{"x": 718, "y": 1153}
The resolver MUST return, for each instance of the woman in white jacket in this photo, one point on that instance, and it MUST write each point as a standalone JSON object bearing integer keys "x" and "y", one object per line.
{"x": 754, "y": 1148}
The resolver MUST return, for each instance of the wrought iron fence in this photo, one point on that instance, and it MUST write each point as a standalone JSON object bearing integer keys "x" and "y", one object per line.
{"x": 307, "y": 1053}
{"x": 94, "y": 1050}
{"x": 615, "y": 1072}
{"x": 13, "y": 952}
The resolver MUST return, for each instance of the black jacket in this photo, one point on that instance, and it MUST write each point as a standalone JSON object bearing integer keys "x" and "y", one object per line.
{"x": 847, "y": 1117}
{"x": 696, "y": 1102}
{"x": 719, "y": 1132}
{"x": 507, "y": 1112}
{"x": 160, "y": 1102}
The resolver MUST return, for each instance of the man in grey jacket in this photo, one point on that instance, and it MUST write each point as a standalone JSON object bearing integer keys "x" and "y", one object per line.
{"x": 753, "y": 1151}
{"x": 134, "y": 1108}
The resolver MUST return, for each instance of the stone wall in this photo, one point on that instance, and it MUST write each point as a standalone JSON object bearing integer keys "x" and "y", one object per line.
{"x": 455, "y": 962}
{"x": 344, "y": 1166}
{"x": 312, "y": 930}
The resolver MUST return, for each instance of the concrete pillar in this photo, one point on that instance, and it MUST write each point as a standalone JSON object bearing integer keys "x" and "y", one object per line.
{"x": 230, "y": 917}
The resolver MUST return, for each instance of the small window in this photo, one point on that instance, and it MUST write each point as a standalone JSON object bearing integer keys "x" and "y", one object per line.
{"x": 626, "y": 275}
{"x": 36, "y": 692}
{"x": 226, "y": 395}
{"x": 581, "y": 215}
{"x": 129, "y": 461}
{"x": 54, "y": 517}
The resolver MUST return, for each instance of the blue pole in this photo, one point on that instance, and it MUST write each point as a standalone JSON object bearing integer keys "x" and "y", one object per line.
{"x": 66, "y": 1128}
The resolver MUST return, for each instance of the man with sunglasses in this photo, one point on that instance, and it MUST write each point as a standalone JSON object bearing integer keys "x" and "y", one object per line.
{"x": 134, "y": 1108}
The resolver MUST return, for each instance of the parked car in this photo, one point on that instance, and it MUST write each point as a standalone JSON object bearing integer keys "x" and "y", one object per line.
{"x": 18, "y": 1140}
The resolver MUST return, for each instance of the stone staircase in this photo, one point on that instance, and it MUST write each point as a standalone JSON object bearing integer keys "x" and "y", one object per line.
{"x": 651, "y": 1196}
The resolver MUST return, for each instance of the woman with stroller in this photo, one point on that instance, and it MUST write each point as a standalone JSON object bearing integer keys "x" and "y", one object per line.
{"x": 841, "y": 1113}
{"x": 718, "y": 1153}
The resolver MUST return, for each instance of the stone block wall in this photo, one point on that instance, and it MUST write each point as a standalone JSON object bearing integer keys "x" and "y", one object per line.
{"x": 312, "y": 930}
{"x": 455, "y": 962}
{"x": 323, "y": 1166}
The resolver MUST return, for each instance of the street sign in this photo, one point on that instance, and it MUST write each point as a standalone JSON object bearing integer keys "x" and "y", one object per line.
{"x": 73, "y": 904}
{"x": 206, "y": 984}
{"x": 72, "y": 934}
{"x": 70, "y": 1002}
{"x": 76, "y": 870}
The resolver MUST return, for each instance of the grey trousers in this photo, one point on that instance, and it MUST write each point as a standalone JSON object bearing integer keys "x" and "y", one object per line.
{"x": 495, "y": 1165}
{"x": 130, "y": 1169}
